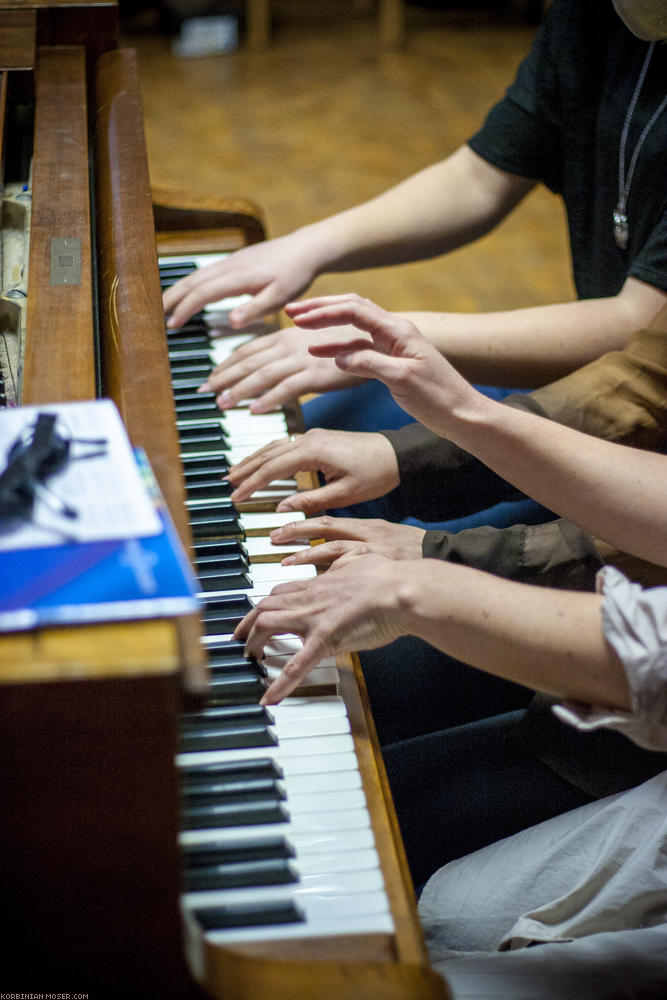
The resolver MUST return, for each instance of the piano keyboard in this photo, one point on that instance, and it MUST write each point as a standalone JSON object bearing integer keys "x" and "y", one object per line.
{"x": 276, "y": 835}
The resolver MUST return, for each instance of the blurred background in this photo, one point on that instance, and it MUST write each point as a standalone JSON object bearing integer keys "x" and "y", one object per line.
{"x": 324, "y": 115}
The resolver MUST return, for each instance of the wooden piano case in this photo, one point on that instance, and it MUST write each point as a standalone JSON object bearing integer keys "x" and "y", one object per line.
{"x": 89, "y": 876}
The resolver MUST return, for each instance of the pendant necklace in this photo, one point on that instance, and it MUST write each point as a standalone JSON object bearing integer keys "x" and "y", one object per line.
{"x": 620, "y": 218}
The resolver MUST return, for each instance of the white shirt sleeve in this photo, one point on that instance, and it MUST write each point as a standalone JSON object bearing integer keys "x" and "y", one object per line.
{"x": 634, "y": 623}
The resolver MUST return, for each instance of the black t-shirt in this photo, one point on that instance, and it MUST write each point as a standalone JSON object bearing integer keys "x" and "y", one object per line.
{"x": 561, "y": 121}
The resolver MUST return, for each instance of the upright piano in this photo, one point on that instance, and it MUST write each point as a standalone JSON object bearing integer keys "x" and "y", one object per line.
{"x": 124, "y": 872}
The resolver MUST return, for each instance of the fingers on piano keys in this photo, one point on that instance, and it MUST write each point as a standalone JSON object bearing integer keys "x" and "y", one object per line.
{"x": 276, "y": 834}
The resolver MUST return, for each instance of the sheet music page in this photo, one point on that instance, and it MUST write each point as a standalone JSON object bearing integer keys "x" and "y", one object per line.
{"x": 101, "y": 483}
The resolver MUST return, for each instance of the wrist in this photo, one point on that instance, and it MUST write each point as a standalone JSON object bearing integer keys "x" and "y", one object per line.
{"x": 327, "y": 245}
{"x": 469, "y": 418}
{"x": 408, "y": 597}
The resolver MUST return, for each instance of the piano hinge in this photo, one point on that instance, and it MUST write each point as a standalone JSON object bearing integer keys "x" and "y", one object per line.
{"x": 65, "y": 260}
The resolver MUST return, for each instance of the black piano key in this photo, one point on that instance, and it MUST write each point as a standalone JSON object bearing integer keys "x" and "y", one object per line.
{"x": 202, "y": 437}
{"x": 198, "y": 466}
{"x": 192, "y": 370}
{"x": 204, "y": 452}
{"x": 240, "y": 874}
{"x": 232, "y": 789}
{"x": 182, "y": 267}
{"x": 235, "y": 688}
{"x": 242, "y": 736}
{"x": 209, "y": 520}
{"x": 232, "y": 561}
{"x": 222, "y": 614}
{"x": 184, "y": 387}
{"x": 228, "y": 727}
{"x": 249, "y": 915}
{"x": 231, "y": 715}
{"x": 221, "y": 651}
{"x": 207, "y": 489}
{"x": 182, "y": 360}
{"x": 211, "y": 579}
{"x": 226, "y": 665}
{"x": 190, "y": 342}
{"x": 257, "y": 767}
{"x": 217, "y": 548}
{"x": 188, "y": 337}
{"x": 202, "y": 409}
{"x": 215, "y": 625}
{"x": 269, "y": 809}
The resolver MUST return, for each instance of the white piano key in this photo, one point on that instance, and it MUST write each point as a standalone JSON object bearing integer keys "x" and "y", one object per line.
{"x": 336, "y": 781}
{"x": 239, "y": 419}
{"x": 312, "y": 746}
{"x": 352, "y": 923}
{"x": 304, "y": 823}
{"x": 283, "y": 645}
{"x": 296, "y": 730}
{"x": 269, "y": 521}
{"x": 313, "y": 802}
{"x": 261, "y": 546}
{"x": 326, "y": 914}
{"x": 224, "y": 343}
{"x": 236, "y": 453}
{"x": 330, "y": 864}
{"x": 328, "y": 706}
{"x": 275, "y": 573}
{"x": 318, "y": 677}
{"x": 307, "y": 845}
{"x": 330, "y": 888}
{"x": 336, "y": 761}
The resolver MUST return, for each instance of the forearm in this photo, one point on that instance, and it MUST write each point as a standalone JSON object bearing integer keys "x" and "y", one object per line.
{"x": 442, "y": 207}
{"x": 592, "y": 482}
{"x": 621, "y": 397}
{"x": 548, "y": 640}
{"x": 526, "y": 348}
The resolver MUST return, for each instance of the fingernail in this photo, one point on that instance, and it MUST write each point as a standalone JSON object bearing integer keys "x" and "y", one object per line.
{"x": 288, "y": 560}
{"x": 204, "y": 387}
{"x": 224, "y": 400}
{"x": 276, "y": 533}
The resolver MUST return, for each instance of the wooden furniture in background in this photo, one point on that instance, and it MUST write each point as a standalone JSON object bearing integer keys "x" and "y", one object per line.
{"x": 391, "y": 21}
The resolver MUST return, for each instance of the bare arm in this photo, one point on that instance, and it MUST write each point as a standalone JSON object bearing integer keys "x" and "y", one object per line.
{"x": 614, "y": 491}
{"x": 549, "y": 640}
{"x": 527, "y": 348}
{"x": 442, "y": 207}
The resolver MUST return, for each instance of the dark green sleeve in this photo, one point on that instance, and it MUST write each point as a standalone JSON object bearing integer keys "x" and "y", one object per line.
{"x": 555, "y": 554}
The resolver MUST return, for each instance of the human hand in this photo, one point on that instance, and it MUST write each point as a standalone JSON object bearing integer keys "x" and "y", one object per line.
{"x": 356, "y": 466}
{"x": 275, "y": 368}
{"x": 349, "y": 535}
{"x": 272, "y": 272}
{"x": 354, "y": 605}
{"x": 419, "y": 378}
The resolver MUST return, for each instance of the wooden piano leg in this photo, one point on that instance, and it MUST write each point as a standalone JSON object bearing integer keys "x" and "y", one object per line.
{"x": 392, "y": 24}
{"x": 258, "y": 14}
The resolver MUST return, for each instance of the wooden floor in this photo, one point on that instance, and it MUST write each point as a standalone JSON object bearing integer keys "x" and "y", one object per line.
{"x": 323, "y": 119}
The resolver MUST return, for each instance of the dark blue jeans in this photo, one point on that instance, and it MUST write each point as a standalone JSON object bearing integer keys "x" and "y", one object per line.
{"x": 472, "y": 758}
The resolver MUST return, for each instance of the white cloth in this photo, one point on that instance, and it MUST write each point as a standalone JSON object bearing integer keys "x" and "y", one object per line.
{"x": 588, "y": 888}
{"x": 634, "y": 622}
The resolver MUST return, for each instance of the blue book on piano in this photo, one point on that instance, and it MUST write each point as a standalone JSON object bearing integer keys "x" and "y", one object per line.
{"x": 99, "y": 581}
